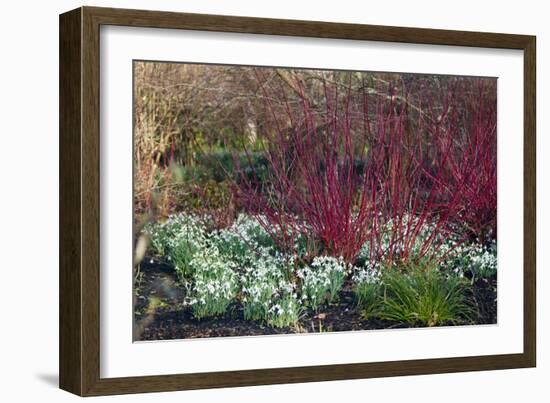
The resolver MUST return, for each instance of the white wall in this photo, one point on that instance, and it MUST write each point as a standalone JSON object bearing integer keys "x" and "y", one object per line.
{"x": 29, "y": 201}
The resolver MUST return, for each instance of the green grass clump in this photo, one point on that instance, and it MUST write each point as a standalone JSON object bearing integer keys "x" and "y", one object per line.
{"x": 418, "y": 296}
{"x": 368, "y": 298}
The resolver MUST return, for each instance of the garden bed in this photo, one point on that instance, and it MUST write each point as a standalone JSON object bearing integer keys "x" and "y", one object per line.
{"x": 168, "y": 318}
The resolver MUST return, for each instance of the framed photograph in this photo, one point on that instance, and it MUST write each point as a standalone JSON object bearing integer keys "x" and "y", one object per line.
{"x": 249, "y": 201}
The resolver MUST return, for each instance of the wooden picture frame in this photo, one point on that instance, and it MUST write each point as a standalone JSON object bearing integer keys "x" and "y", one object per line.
{"x": 80, "y": 184}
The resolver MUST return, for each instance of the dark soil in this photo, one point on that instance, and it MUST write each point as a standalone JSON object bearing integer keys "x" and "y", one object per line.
{"x": 160, "y": 314}
{"x": 485, "y": 298}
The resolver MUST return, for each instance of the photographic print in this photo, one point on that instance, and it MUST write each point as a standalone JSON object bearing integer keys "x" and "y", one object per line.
{"x": 271, "y": 200}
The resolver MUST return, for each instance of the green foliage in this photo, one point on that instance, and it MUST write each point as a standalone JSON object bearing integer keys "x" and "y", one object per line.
{"x": 422, "y": 296}
{"x": 222, "y": 165}
{"x": 368, "y": 299}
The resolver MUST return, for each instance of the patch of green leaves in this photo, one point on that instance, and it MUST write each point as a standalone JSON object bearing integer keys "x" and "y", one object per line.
{"x": 418, "y": 296}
